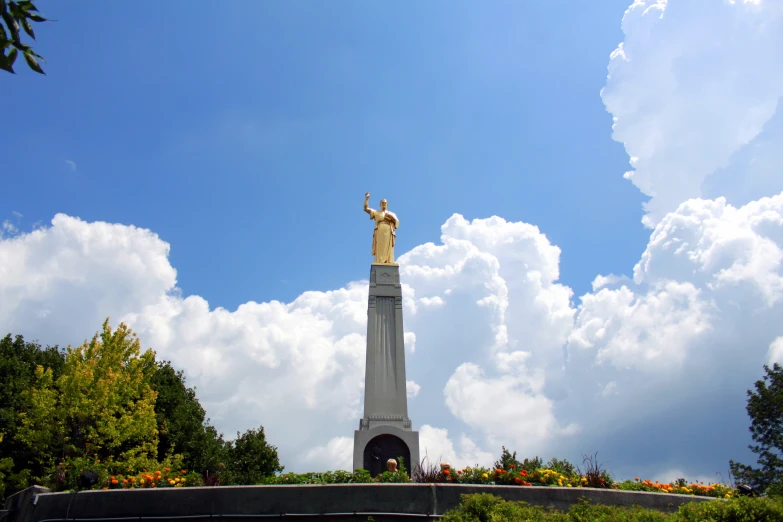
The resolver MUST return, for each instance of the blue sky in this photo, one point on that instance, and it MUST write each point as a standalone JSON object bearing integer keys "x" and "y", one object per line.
{"x": 246, "y": 137}
{"x": 590, "y": 199}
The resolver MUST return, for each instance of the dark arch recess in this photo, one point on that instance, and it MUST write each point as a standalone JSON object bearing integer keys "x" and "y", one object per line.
{"x": 382, "y": 448}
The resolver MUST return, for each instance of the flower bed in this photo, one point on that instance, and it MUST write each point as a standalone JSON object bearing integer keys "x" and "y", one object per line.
{"x": 507, "y": 471}
{"x": 156, "y": 479}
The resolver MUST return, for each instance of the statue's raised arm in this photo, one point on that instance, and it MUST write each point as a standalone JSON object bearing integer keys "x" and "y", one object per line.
{"x": 367, "y": 202}
{"x": 384, "y": 235}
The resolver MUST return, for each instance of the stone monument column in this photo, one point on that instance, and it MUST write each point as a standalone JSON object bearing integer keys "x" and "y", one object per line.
{"x": 385, "y": 429}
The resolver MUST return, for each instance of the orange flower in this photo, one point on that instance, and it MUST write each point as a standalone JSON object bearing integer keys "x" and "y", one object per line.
{"x": 518, "y": 480}
{"x": 512, "y": 466}
{"x": 446, "y": 472}
{"x": 166, "y": 469}
{"x": 112, "y": 477}
{"x": 114, "y": 482}
{"x": 104, "y": 488}
{"x": 637, "y": 479}
{"x": 523, "y": 473}
{"x": 184, "y": 472}
{"x": 98, "y": 461}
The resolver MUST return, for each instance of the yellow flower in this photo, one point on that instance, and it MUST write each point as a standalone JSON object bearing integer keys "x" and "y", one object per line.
{"x": 484, "y": 476}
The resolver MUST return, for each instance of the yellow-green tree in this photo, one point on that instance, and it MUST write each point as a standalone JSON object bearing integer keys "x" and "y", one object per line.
{"x": 102, "y": 406}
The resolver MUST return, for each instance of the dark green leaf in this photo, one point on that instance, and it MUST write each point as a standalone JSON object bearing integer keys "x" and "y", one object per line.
{"x": 36, "y": 18}
{"x": 13, "y": 8}
{"x": 12, "y": 57}
{"x": 28, "y": 28}
{"x": 5, "y": 64}
{"x": 3, "y": 35}
{"x": 13, "y": 26}
{"x": 27, "y": 5}
{"x": 33, "y": 63}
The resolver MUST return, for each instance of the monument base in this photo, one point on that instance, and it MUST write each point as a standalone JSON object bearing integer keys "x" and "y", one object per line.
{"x": 373, "y": 447}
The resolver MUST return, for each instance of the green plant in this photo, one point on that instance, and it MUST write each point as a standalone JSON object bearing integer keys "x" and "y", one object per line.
{"x": 485, "y": 507}
{"x": 561, "y": 466}
{"x": 739, "y": 509}
{"x": 596, "y": 477}
{"x": 360, "y": 476}
{"x": 16, "y": 15}
{"x": 765, "y": 408}
{"x": 399, "y": 476}
{"x": 251, "y": 459}
{"x": 426, "y": 472}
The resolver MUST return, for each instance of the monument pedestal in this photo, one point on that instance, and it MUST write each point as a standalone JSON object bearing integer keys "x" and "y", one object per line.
{"x": 385, "y": 430}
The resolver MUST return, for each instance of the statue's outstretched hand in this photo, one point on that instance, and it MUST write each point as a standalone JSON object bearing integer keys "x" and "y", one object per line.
{"x": 367, "y": 195}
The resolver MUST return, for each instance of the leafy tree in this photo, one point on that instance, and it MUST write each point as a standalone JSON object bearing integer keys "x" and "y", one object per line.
{"x": 102, "y": 402}
{"x": 18, "y": 362}
{"x": 765, "y": 409}
{"x": 107, "y": 404}
{"x": 251, "y": 458}
{"x": 509, "y": 461}
{"x": 182, "y": 423}
{"x": 561, "y": 466}
{"x": 16, "y": 15}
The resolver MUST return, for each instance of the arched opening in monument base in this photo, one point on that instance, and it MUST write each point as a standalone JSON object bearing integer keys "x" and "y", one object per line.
{"x": 382, "y": 448}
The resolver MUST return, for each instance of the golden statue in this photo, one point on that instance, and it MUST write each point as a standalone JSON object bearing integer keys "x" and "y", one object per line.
{"x": 386, "y": 223}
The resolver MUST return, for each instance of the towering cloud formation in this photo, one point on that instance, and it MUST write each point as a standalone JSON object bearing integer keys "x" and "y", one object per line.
{"x": 694, "y": 91}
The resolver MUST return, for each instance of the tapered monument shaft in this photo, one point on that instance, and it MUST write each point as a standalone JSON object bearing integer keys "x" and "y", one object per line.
{"x": 385, "y": 429}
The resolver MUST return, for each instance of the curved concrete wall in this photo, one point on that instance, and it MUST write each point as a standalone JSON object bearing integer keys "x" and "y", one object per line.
{"x": 336, "y": 502}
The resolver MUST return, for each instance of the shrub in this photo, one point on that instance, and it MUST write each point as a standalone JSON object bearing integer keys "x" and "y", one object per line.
{"x": 742, "y": 508}
{"x": 484, "y": 507}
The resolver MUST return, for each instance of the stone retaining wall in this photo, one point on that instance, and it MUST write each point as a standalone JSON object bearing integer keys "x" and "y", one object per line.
{"x": 336, "y": 502}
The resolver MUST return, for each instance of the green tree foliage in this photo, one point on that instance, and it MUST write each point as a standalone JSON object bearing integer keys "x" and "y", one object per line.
{"x": 509, "y": 461}
{"x": 250, "y": 458}
{"x": 102, "y": 402}
{"x": 109, "y": 407}
{"x": 765, "y": 409}
{"x": 182, "y": 424}
{"x": 18, "y": 361}
{"x": 15, "y": 16}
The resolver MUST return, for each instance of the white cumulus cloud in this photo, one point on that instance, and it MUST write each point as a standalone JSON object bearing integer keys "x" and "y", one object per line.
{"x": 691, "y": 89}
{"x": 776, "y": 352}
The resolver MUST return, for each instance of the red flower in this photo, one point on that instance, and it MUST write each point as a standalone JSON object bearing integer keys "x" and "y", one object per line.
{"x": 518, "y": 480}
{"x": 512, "y": 466}
{"x": 523, "y": 473}
{"x": 446, "y": 472}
